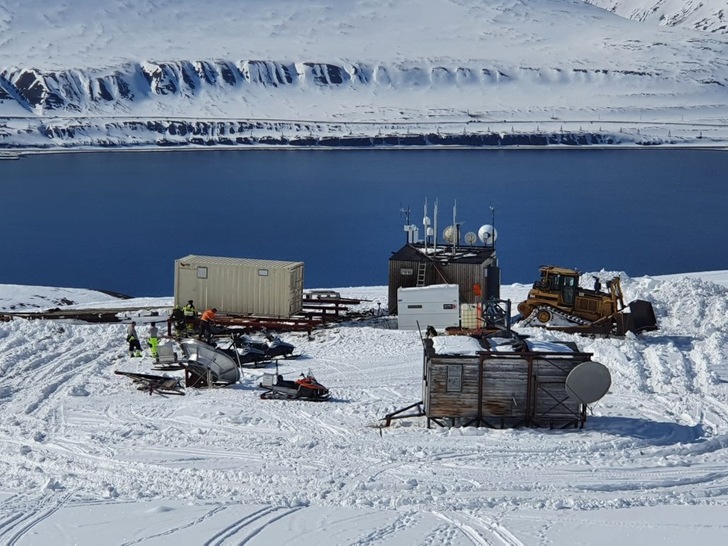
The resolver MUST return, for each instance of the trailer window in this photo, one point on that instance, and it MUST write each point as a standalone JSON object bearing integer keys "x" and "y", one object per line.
{"x": 262, "y": 272}
{"x": 201, "y": 272}
{"x": 454, "y": 378}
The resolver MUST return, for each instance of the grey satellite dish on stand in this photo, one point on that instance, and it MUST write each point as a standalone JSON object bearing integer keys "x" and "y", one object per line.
{"x": 588, "y": 382}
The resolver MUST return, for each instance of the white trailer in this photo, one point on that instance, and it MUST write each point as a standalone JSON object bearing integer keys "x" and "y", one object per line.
{"x": 436, "y": 305}
{"x": 240, "y": 285}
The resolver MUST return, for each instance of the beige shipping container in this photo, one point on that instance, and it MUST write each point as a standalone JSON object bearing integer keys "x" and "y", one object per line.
{"x": 269, "y": 288}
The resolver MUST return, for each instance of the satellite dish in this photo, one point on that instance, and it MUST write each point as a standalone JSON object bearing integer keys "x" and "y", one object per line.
{"x": 449, "y": 234}
{"x": 488, "y": 234}
{"x": 588, "y": 382}
{"x": 470, "y": 237}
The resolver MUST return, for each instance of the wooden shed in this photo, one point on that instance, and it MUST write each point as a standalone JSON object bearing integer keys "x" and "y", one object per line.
{"x": 469, "y": 382}
{"x": 473, "y": 268}
{"x": 270, "y": 288}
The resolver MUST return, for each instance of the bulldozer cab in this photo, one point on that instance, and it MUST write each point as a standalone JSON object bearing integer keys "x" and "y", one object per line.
{"x": 559, "y": 280}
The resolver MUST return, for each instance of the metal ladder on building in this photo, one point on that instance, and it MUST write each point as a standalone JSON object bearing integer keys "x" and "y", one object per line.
{"x": 421, "y": 273}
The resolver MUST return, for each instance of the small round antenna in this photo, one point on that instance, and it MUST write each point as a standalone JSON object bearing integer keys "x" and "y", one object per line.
{"x": 487, "y": 234}
{"x": 449, "y": 234}
{"x": 470, "y": 238}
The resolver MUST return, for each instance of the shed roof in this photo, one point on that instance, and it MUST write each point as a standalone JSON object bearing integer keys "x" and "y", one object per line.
{"x": 194, "y": 259}
{"x": 415, "y": 252}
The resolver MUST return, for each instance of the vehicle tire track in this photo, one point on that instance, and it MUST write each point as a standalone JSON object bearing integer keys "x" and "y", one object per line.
{"x": 231, "y": 530}
{"x": 476, "y": 527}
{"x": 28, "y": 516}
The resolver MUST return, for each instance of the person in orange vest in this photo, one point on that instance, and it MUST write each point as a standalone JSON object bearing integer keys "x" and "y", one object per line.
{"x": 206, "y": 321}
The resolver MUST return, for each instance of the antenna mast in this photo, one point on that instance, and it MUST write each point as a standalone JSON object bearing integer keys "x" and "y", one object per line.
{"x": 434, "y": 247}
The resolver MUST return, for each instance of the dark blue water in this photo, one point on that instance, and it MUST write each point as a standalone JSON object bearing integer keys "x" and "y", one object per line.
{"x": 117, "y": 221}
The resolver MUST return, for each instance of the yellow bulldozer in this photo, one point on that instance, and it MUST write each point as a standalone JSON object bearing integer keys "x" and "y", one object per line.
{"x": 557, "y": 302}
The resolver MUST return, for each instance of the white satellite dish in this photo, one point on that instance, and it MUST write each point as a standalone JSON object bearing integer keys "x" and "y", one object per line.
{"x": 588, "y": 382}
{"x": 487, "y": 234}
{"x": 449, "y": 234}
{"x": 470, "y": 237}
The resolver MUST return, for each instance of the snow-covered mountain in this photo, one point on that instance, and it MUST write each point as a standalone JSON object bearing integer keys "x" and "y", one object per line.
{"x": 710, "y": 16}
{"x": 358, "y": 73}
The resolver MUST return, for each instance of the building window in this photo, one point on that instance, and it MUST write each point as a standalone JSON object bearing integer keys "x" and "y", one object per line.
{"x": 201, "y": 272}
{"x": 454, "y": 378}
{"x": 406, "y": 271}
{"x": 262, "y": 272}
{"x": 414, "y": 306}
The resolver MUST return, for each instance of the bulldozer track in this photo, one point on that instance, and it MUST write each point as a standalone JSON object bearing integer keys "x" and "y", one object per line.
{"x": 532, "y": 319}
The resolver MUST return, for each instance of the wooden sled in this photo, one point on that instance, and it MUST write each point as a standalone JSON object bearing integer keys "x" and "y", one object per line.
{"x": 160, "y": 384}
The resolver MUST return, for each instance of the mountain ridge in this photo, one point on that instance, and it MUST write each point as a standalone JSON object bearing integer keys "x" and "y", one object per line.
{"x": 491, "y": 64}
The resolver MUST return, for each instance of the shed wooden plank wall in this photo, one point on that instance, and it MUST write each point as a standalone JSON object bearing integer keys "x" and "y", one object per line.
{"x": 510, "y": 396}
{"x": 464, "y": 275}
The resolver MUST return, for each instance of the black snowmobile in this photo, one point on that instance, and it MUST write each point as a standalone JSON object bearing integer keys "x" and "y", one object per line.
{"x": 271, "y": 345}
{"x": 305, "y": 387}
{"x": 246, "y": 355}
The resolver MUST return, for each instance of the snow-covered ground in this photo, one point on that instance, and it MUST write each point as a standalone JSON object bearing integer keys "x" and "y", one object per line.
{"x": 133, "y": 73}
{"x": 87, "y": 459}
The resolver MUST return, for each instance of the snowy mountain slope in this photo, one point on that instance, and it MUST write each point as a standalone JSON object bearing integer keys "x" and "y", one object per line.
{"x": 703, "y": 15}
{"x": 78, "y": 73}
{"x": 84, "y": 454}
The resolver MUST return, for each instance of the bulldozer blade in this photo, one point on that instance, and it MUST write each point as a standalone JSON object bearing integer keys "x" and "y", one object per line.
{"x": 641, "y": 318}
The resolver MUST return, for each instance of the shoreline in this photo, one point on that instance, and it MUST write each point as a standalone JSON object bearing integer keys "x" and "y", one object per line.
{"x": 18, "y": 153}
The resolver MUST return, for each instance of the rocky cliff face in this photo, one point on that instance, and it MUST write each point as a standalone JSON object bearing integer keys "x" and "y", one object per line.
{"x": 96, "y": 91}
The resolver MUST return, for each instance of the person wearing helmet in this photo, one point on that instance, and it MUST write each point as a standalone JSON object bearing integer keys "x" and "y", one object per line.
{"x": 190, "y": 316}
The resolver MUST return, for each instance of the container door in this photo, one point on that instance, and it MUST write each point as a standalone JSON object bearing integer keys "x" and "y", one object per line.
{"x": 188, "y": 286}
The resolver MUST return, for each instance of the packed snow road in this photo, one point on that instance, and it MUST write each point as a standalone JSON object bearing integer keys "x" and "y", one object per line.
{"x": 81, "y": 450}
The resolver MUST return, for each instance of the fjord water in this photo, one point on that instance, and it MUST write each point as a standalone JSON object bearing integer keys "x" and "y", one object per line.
{"x": 117, "y": 221}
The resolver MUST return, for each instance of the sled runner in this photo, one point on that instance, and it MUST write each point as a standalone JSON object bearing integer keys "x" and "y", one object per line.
{"x": 161, "y": 384}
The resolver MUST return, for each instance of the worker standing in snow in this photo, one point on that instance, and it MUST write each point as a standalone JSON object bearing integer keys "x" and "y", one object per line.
{"x": 177, "y": 319}
{"x": 135, "y": 348}
{"x": 190, "y": 315}
{"x": 153, "y": 339}
{"x": 206, "y": 322}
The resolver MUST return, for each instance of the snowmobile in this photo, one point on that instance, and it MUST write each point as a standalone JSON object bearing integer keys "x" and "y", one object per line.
{"x": 272, "y": 346}
{"x": 306, "y": 387}
{"x": 246, "y": 355}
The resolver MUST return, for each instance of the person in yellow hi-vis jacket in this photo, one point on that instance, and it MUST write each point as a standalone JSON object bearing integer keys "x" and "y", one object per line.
{"x": 190, "y": 316}
{"x": 153, "y": 339}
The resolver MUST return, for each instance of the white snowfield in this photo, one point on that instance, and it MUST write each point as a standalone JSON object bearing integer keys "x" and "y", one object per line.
{"x": 86, "y": 459}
